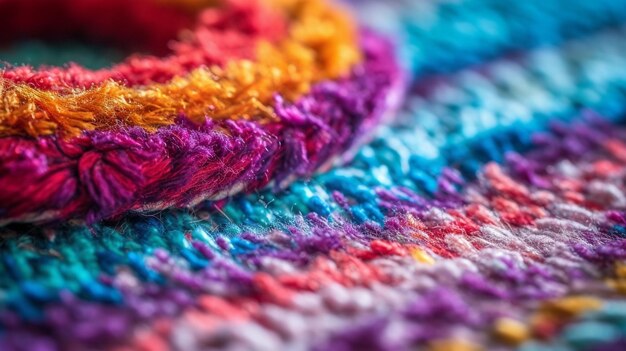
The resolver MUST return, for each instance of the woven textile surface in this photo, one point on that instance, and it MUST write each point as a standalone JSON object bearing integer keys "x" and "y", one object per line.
{"x": 312, "y": 175}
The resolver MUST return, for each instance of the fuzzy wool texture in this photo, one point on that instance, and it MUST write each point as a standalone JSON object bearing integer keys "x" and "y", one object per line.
{"x": 319, "y": 42}
{"x": 489, "y": 213}
{"x": 103, "y": 174}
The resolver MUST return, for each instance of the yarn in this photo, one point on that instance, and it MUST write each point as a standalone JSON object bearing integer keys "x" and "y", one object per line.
{"x": 169, "y": 150}
{"x": 466, "y": 119}
{"x": 512, "y": 238}
{"x": 103, "y": 174}
{"x": 487, "y": 214}
{"x": 439, "y": 36}
{"x": 241, "y": 89}
{"x": 215, "y": 40}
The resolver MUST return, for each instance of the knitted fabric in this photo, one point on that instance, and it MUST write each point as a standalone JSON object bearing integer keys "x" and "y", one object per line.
{"x": 489, "y": 214}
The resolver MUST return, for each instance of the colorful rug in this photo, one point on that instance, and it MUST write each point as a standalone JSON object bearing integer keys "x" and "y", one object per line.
{"x": 303, "y": 175}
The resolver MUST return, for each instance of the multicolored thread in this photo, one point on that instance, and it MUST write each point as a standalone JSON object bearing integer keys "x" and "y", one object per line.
{"x": 488, "y": 215}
